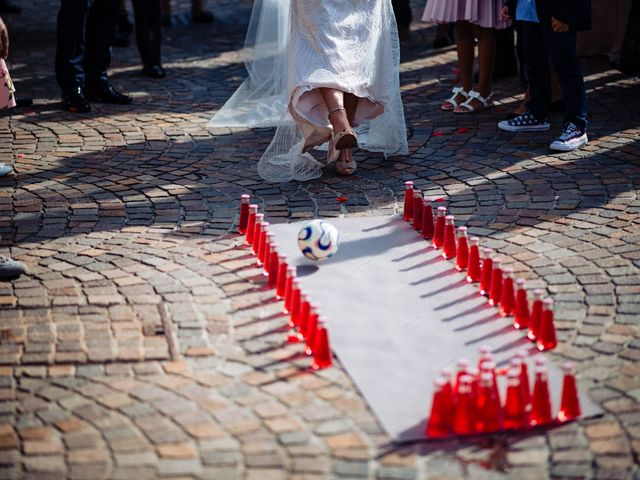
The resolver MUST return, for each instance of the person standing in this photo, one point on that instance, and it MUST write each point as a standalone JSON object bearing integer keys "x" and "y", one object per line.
{"x": 550, "y": 32}
{"x": 473, "y": 19}
{"x": 148, "y": 18}
{"x": 333, "y": 81}
{"x": 85, "y": 33}
{"x": 9, "y": 269}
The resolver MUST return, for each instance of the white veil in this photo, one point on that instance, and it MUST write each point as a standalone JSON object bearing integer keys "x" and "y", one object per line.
{"x": 261, "y": 100}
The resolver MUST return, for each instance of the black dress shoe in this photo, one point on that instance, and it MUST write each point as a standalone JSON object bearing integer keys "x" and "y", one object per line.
{"x": 154, "y": 71}
{"x": 203, "y": 16}
{"x": 8, "y": 7}
{"x": 104, "y": 92}
{"x": 24, "y": 101}
{"x": 75, "y": 101}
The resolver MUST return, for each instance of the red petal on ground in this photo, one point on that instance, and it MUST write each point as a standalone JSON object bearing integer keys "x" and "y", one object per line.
{"x": 500, "y": 109}
{"x": 463, "y": 130}
{"x": 456, "y": 71}
{"x": 439, "y": 199}
{"x": 20, "y": 155}
{"x": 455, "y": 80}
{"x": 342, "y": 199}
{"x": 437, "y": 134}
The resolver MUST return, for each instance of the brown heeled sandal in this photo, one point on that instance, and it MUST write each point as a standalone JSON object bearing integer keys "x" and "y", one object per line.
{"x": 345, "y": 168}
{"x": 346, "y": 138}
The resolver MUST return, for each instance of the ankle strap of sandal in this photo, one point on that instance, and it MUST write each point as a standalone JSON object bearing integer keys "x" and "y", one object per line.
{"x": 336, "y": 110}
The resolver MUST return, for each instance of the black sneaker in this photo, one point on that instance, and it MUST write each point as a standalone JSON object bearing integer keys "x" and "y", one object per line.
{"x": 10, "y": 269}
{"x": 572, "y": 137}
{"x": 524, "y": 123}
{"x": 75, "y": 101}
{"x": 103, "y": 92}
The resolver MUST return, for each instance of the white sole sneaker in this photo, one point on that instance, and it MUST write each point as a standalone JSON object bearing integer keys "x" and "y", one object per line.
{"x": 570, "y": 145}
{"x": 504, "y": 125}
{"x": 5, "y": 169}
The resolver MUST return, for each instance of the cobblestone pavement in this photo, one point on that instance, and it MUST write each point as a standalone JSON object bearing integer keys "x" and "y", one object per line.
{"x": 144, "y": 345}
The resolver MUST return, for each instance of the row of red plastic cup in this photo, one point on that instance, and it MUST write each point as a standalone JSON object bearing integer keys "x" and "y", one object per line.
{"x": 305, "y": 322}
{"x": 471, "y": 402}
{"x": 495, "y": 282}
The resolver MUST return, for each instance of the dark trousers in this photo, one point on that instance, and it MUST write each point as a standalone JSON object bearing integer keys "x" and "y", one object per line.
{"x": 402, "y": 12}
{"x": 541, "y": 43}
{"x": 85, "y": 34}
{"x": 148, "y": 18}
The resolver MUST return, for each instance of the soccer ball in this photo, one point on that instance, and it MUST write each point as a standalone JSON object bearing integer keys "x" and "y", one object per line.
{"x": 318, "y": 240}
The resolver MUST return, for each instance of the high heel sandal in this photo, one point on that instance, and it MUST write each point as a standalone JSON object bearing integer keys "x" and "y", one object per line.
{"x": 345, "y": 168}
{"x": 344, "y": 139}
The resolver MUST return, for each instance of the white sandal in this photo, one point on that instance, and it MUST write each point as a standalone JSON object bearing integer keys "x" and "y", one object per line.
{"x": 452, "y": 101}
{"x": 466, "y": 107}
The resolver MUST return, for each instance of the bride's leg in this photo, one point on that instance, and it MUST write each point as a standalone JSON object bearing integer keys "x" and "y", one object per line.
{"x": 334, "y": 99}
{"x": 350, "y": 104}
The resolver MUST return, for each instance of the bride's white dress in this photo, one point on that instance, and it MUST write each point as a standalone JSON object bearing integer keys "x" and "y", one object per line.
{"x": 351, "y": 45}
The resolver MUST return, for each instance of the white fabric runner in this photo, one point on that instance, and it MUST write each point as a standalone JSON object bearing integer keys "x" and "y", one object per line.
{"x": 398, "y": 313}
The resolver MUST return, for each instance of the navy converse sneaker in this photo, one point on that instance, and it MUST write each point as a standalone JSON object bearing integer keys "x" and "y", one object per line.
{"x": 524, "y": 123}
{"x": 572, "y": 137}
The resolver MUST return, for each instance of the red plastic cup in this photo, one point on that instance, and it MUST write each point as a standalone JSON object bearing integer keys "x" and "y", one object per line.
{"x": 514, "y": 409}
{"x": 463, "y": 422}
{"x": 521, "y": 313}
{"x": 487, "y": 267}
{"x": 473, "y": 268}
{"x": 535, "y": 318}
{"x": 570, "y": 403}
{"x": 281, "y": 282}
{"x": 274, "y": 265}
{"x": 251, "y": 222}
{"x": 449, "y": 248}
{"x": 496, "y": 282}
{"x": 244, "y": 213}
{"x": 417, "y": 209}
{"x": 257, "y": 232}
{"x": 540, "y": 400}
{"x": 546, "y": 339}
{"x": 408, "y": 201}
{"x": 427, "y": 219}
{"x": 322, "y": 357}
{"x": 508, "y": 296}
{"x": 462, "y": 260}
{"x": 439, "y": 424}
{"x": 438, "y": 233}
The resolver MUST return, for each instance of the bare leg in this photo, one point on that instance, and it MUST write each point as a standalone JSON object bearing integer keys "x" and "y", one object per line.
{"x": 334, "y": 99}
{"x": 486, "y": 58}
{"x": 465, "y": 47}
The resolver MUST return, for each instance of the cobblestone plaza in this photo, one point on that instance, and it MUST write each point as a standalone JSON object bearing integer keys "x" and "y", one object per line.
{"x": 142, "y": 344}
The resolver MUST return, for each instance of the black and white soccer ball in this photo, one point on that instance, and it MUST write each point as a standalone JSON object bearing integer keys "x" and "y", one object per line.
{"x": 318, "y": 240}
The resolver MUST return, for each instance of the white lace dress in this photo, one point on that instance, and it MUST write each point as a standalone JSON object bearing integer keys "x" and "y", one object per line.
{"x": 351, "y": 45}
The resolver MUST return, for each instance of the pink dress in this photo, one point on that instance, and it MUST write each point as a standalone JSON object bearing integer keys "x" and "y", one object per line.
{"x": 485, "y": 13}
{"x": 7, "y": 98}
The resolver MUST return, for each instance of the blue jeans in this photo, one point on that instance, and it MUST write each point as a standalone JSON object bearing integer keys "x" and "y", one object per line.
{"x": 541, "y": 43}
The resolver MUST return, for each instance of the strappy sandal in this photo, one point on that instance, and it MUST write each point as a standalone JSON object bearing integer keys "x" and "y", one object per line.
{"x": 344, "y": 139}
{"x": 345, "y": 168}
{"x": 450, "y": 104}
{"x": 466, "y": 107}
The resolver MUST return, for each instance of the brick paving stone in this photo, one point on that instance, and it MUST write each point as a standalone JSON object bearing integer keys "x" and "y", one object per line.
{"x": 138, "y": 346}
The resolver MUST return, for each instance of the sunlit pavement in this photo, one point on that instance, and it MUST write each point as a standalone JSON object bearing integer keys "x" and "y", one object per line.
{"x": 143, "y": 344}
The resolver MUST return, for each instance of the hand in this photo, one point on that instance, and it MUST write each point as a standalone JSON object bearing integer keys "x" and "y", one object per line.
{"x": 558, "y": 26}
{"x": 505, "y": 13}
{"x": 4, "y": 40}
